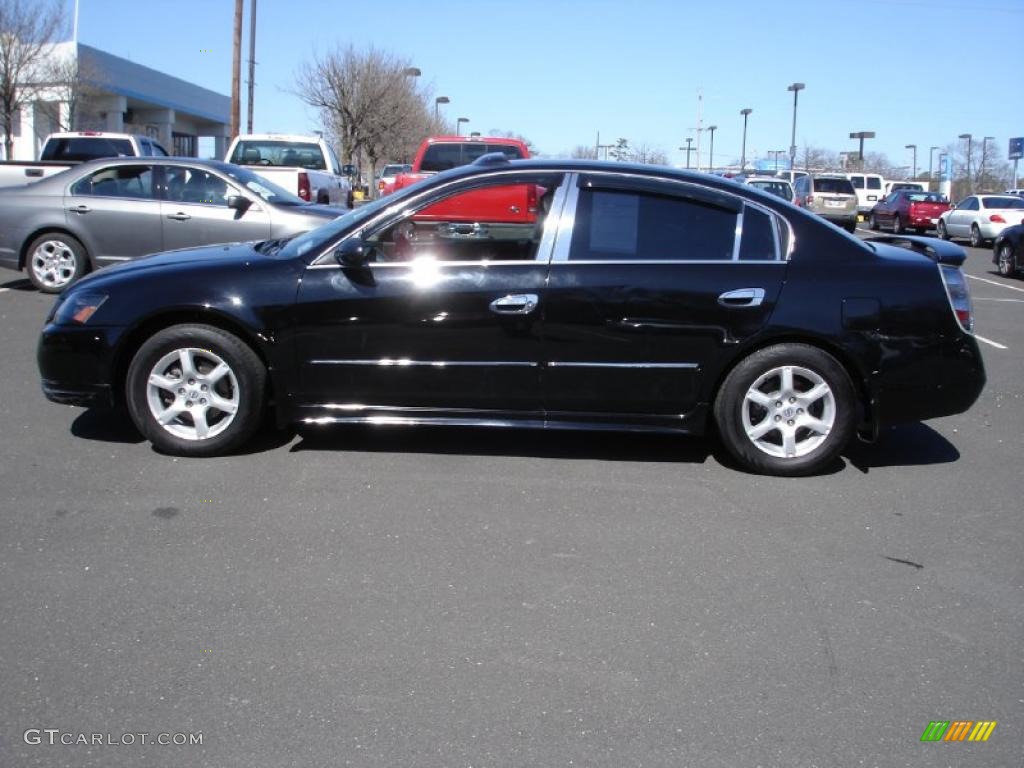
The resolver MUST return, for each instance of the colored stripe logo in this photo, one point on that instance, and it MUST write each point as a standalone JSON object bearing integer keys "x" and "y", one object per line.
{"x": 958, "y": 730}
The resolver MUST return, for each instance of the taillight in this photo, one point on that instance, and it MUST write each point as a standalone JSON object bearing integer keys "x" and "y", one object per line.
{"x": 809, "y": 200}
{"x": 997, "y": 219}
{"x": 959, "y": 295}
{"x": 531, "y": 198}
{"x": 304, "y": 190}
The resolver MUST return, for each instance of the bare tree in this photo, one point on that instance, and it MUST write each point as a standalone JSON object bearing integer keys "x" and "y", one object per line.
{"x": 646, "y": 154}
{"x": 75, "y": 82}
{"x": 28, "y": 29}
{"x": 583, "y": 152}
{"x": 817, "y": 158}
{"x": 368, "y": 101}
{"x": 530, "y": 146}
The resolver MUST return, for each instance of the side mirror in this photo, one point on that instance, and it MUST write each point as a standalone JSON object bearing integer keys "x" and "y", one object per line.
{"x": 239, "y": 203}
{"x": 352, "y": 253}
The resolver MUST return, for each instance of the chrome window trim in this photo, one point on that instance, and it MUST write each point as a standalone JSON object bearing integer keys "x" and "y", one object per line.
{"x": 737, "y": 232}
{"x": 566, "y": 221}
{"x": 406, "y": 208}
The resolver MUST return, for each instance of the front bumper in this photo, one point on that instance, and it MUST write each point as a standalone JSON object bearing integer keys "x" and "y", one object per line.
{"x": 76, "y": 364}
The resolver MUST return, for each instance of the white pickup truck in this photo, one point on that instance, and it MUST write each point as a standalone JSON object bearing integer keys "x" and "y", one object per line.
{"x": 305, "y": 165}
{"x": 64, "y": 150}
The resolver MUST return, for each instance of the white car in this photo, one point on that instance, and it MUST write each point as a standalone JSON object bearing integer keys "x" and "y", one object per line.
{"x": 774, "y": 184}
{"x": 981, "y": 218}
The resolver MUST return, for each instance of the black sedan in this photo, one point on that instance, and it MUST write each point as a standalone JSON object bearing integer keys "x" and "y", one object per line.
{"x": 637, "y": 298}
{"x": 1008, "y": 251}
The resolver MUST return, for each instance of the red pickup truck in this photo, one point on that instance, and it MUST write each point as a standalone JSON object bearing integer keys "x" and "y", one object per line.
{"x": 908, "y": 209}
{"x": 512, "y": 204}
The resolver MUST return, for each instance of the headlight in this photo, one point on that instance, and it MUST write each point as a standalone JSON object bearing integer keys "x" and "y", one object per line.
{"x": 77, "y": 309}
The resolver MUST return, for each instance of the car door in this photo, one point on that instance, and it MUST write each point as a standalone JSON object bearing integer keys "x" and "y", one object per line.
{"x": 961, "y": 218}
{"x": 660, "y": 280}
{"x": 441, "y": 318}
{"x": 195, "y": 210}
{"x": 115, "y": 212}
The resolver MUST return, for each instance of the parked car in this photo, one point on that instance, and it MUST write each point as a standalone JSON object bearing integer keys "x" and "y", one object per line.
{"x": 869, "y": 187}
{"x": 1008, "y": 251}
{"x": 647, "y": 299}
{"x": 773, "y": 184}
{"x": 904, "y": 209}
{"x": 107, "y": 211}
{"x": 1018, "y": 192}
{"x": 304, "y": 165}
{"x": 387, "y": 175}
{"x": 791, "y": 176}
{"x": 981, "y": 218}
{"x": 830, "y": 196}
{"x": 65, "y": 150}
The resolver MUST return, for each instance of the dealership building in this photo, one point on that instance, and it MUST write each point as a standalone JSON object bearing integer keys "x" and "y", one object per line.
{"x": 115, "y": 94}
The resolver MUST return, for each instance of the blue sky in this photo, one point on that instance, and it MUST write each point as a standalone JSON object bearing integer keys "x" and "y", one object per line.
{"x": 559, "y": 71}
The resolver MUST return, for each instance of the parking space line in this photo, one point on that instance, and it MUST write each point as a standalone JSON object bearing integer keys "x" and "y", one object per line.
{"x": 994, "y": 282}
{"x": 995, "y": 344}
{"x": 985, "y": 298}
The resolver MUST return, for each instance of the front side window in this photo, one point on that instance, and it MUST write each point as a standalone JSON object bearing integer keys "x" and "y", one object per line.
{"x": 193, "y": 185}
{"x": 631, "y": 226}
{"x": 970, "y": 204}
{"x": 858, "y": 182}
{"x": 130, "y": 181}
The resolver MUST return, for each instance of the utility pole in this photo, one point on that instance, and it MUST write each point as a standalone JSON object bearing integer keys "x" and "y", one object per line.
{"x": 252, "y": 63}
{"x": 711, "y": 149}
{"x": 795, "y": 88}
{"x": 969, "y": 137}
{"x": 700, "y": 123}
{"x": 236, "y": 71}
{"x": 743, "y": 152}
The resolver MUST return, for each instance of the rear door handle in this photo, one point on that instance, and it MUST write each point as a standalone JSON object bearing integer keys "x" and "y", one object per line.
{"x": 79, "y": 209}
{"x": 742, "y": 297}
{"x": 515, "y": 304}
{"x": 179, "y": 216}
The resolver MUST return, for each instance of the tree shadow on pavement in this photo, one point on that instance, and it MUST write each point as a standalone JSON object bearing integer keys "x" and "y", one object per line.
{"x": 907, "y": 445}
{"x": 536, "y": 443}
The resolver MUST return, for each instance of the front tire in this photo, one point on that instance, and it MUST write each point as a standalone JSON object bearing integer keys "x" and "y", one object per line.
{"x": 897, "y": 225}
{"x": 942, "y": 231}
{"x": 786, "y": 410}
{"x": 195, "y": 390}
{"x": 873, "y": 222}
{"x": 976, "y": 239}
{"x": 54, "y": 261}
{"x": 1005, "y": 261}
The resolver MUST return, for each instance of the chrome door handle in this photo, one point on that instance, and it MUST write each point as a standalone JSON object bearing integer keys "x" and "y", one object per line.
{"x": 79, "y": 209}
{"x": 742, "y": 297}
{"x": 515, "y": 304}
{"x": 179, "y": 216}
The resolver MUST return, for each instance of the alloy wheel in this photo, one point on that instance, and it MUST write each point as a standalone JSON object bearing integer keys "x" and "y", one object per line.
{"x": 54, "y": 263}
{"x": 789, "y": 411}
{"x": 192, "y": 393}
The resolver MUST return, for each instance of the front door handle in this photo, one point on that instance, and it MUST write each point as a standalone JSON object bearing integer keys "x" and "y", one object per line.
{"x": 79, "y": 209}
{"x": 179, "y": 216}
{"x": 742, "y": 297}
{"x": 515, "y": 304}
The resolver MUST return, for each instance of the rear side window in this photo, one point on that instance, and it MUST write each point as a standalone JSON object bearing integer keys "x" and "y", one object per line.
{"x": 131, "y": 181}
{"x": 1002, "y": 202}
{"x": 758, "y": 240}
{"x": 833, "y": 186}
{"x": 86, "y": 148}
{"x": 443, "y": 156}
{"x": 874, "y": 182}
{"x": 629, "y": 226}
{"x": 857, "y": 181}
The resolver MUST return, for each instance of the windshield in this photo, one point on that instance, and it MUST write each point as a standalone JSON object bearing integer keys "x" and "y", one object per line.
{"x": 393, "y": 170}
{"x": 267, "y": 190}
{"x": 292, "y": 154}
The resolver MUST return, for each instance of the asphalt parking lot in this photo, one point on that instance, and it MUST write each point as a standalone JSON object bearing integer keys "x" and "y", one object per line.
{"x": 382, "y": 597}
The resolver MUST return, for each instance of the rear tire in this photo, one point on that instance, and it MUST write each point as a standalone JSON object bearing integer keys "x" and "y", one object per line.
{"x": 976, "y": 239}
{"x": 54, "y": 261}
{"x": 195, "y": 390}
{"x": 786, "y": 410}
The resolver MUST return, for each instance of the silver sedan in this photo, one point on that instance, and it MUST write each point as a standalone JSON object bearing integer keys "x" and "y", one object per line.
{"x": 107, "y": 211}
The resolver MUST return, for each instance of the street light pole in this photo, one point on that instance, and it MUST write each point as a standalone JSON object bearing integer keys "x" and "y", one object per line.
{"x": 711, "y": 153}
{"x": 981, "y": 171}
{"x": 862, "y": 135}
{"x": 458, "y": 125}
{"x": 795, "y": 88}
{"x": 689, "y": 149}
{"x": 438, "y": 101}
{"x": 914, "y": 163}
{"x": 743, "y": 152}
{"x": 777, "y": 153}
{"x": 931, "y": 155}
{"x": 968, "y": 137}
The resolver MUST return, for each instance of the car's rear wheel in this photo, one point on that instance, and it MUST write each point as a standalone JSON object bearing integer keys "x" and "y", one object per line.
{"x": 976, "y": 239}
{"x": 1004, "y": 261}
{"x": 941, "y": 230}
{"x": 196, "y": 390}
{"x": 788, "y": 410}
{"x": 55, "y": 260}
{"x": 897, "y": 225}
{"x": 873, "y": 222}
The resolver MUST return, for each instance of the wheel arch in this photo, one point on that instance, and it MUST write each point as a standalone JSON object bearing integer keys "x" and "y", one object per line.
{"x": 136, "y": 336}
{"x": 56, "y": 229}
{"x": 846, "y": 360}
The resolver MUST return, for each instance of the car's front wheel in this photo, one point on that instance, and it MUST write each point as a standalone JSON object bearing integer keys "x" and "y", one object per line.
{"x": 873, "y": 222}
{"x": 897, "y": 225}
{"x": 1005, "y": 261}
{"x": 55, "y": 260}
{"x": 196, "y": 390}
{"x": 788, "y": 410}
{"x": 941, "y": 230}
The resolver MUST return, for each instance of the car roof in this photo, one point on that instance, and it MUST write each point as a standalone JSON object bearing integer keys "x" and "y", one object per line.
{"x": 279, "y": 137}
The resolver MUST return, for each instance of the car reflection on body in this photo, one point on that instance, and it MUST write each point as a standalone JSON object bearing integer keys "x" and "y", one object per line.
{"x": 636, "y": 298}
